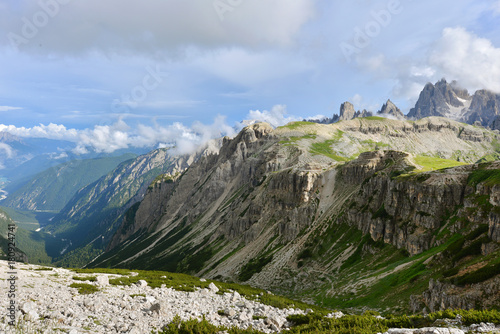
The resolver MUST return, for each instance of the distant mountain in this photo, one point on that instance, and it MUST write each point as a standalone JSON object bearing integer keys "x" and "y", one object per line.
{"x": 54, "y": 187}
{"x": 22, "y": 158}
{"x": 5, "y": 221}
{"x": 442, "y": 99}
{"x": 389, "y": 110}
{"x": 449, "y": 100}
{"x": 91, "y": 217}
{"x": 17, "y": 151}
{"x": 484, "y": 108}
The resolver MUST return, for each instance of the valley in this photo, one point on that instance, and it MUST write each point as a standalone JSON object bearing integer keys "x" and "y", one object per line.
{"x": 365, "y": 213}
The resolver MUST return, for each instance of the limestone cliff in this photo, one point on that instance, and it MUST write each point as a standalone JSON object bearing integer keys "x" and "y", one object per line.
{"x": 327, "y": 211}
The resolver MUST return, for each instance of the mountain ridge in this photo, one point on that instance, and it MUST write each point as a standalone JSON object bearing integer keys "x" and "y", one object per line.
{"x": 253, "y": 212}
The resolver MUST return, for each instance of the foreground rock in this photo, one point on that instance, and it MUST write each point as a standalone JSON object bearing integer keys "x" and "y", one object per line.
{"x": 46, "y": 303}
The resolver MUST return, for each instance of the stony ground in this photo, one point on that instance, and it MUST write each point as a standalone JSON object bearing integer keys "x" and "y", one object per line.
{"x": 46, "y": 304}
{"x": 45, "y": 301}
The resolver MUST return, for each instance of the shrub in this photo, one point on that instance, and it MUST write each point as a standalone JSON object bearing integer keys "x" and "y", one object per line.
{"x": 253, "y": 267}
{"x": 479, "y": 275}
{"x": 85, "y": 278}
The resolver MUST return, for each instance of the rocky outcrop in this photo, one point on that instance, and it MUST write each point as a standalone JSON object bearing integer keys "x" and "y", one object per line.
{"x": 407, "y": 212}
{"x": 272, "y": 199}
{"x": 47, "y": 301}
{"x": 347, "y": 111}
{"x": 390, "y": 110}
{"x": 484, "y": 108}
{"x": 448, "y": 100}
{"x": 441, "y": 296}
{"x": 92, "y": 216}
{"x": 438, "y": 100}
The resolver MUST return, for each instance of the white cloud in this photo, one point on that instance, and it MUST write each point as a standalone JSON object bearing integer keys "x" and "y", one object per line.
{"x": 51, "y": 131}
{"x": 109, "y": 138}
{"x": 275, "y": 117}
{"x": 104, "y": 138}
{"x": 317, "y": 117}
{"x": 8, "y": 108}
{"x": 115, "y": 26}
{"x": 62, "y": 155}
{"x": 9, "y": 152}
{"x": 244, "y": 67}
{"x": 473, "y": 61}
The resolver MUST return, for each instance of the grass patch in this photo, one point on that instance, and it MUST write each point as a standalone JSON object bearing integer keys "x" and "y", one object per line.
{"x": 85, "y": 278}
{"x": 478, "y": 276}
{"x": 296, "y": 125}
{"x": 433, "y": 163}
{"x": 324, "y": 148}
{"x": 138, "y": 295}
{"x": 43, "y": 269}
{"x": 489, "y": 176}
{"x": 84, "y": 288}
{"x": 374, "y": 118}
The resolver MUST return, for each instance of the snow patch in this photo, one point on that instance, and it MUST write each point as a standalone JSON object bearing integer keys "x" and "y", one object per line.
{"x": 457, "y": 113}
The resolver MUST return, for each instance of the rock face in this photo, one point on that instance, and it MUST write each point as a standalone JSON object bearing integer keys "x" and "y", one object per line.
{"x": 390, "y": 110}
{"x": 18, "y": 254}
{"x": 90, "y": 216}
{"x": 259, "y": 210}
{"x": 347, "y": 111}
{"x": 484, "y": 108}
{"x": 448, "y": 100}
{"x": 440, "y": 296}
{"x": 442, "y": 99}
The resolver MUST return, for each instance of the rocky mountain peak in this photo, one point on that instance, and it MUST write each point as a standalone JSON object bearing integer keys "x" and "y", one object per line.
{"x": 6, "y": 137}
{"x": 442, "y": 99}
{"x": 347, "y": 111}
{"x": 390, "y": 109}
{"x": 484, "y": 108}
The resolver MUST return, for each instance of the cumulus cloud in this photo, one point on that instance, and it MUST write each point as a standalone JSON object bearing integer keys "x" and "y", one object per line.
{"x": 458, "y": 54}
{"x": 360, "y": 103}
{"x": 114, "y": 26}
{"x": 51, "y": 131}
{"x": 104, "y": 138}
{"x": 473, "y": 61}
{"x": 183, "y": 139}
{"x": 276, "y": 116}
{"x": 109, "y": 138}
{"x": 318, "y": 117}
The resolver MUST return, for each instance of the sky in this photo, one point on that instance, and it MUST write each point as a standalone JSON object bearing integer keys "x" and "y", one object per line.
{"x": 120, "y": 73}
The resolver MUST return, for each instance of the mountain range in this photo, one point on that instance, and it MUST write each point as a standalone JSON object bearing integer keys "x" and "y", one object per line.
{"x": 441, "y": 99}
{"x": 51, "y": 189}
{"x": 329, "y": 213}
{"x": 363, "y": 210}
